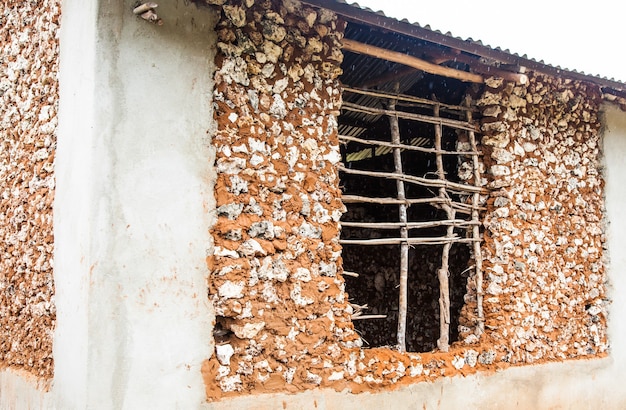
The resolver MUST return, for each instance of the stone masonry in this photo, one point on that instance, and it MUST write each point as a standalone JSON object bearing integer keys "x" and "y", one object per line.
{"x": 29, "y": 99}
{"x": 283, "y": 321}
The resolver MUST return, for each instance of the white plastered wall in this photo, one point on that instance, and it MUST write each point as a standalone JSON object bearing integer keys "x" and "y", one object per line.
{"x": 132, "y": 210}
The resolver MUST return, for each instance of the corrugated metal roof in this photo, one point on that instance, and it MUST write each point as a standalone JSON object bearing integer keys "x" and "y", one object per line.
{"x": 469, "y": 45}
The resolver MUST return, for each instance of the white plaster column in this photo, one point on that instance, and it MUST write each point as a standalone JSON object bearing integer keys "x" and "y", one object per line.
{"x": 615, "y": 195}
{"x": 133, "y": 206}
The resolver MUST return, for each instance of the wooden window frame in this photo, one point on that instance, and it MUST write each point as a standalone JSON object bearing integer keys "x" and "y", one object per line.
{"x": 442, "y": 200}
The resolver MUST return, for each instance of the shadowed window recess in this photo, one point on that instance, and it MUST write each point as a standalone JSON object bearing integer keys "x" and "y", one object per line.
{"x": 411, "y": 182}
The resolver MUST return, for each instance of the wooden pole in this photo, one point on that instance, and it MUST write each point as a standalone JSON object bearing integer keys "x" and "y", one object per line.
{"x": 437, "y": 240}
{"x": 365, "y": 317}
{"x": 404, "y": 98}
{"x": 476, "y": 235}
{"x": 408, "y": 225}
{"x": 394, "y": 56}
{"x": 403, "y": 146}
{"x": 443, "y": 342}
{"x": 457, "y": 206}
{"x": 356, "y": 199}
{"x": 437, "y": 56}
{"x": 404, "y": 233}
{"x": 352, "y": 274}
{"x": 410, "y": 116}
{"x": 436, "y": 183}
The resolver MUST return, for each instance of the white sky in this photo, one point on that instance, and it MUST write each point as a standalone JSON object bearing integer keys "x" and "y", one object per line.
{"x": 586, "y": 36}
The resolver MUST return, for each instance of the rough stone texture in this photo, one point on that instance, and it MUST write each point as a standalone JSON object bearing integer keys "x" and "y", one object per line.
{"x": 29, "y": 94}
{"x": 274, "y": 273}
{"x": 544, "y": 235}
{"x": 276, "y": 278}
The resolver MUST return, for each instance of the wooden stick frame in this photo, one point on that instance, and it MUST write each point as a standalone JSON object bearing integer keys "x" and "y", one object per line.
{"x": 404, "y": 232}
{"x": 461, "y": 125}
{"x": 440, "y": 240}
{"x": 444, "y": 197}
{"x": 435, "y": 183}
{"x": 403, "y": 98}
{"x": 443, "y": 273}
{"x": 410, "y": 225}
{"x": 404, "y": 147}
{"x": 476, "y": 235}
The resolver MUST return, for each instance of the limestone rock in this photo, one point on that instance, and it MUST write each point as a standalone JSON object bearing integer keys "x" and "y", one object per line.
{"x": 224, "y": 353}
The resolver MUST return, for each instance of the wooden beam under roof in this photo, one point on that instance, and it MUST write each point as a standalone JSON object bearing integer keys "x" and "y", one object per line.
{"x": 359, "y": 15}
{"x": 405, "y": 59}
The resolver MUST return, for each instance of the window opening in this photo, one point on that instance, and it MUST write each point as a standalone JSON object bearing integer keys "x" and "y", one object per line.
{"x": 411, "y": 184}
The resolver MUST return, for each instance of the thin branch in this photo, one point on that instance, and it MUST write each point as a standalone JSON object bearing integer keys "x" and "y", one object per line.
{"x": 404, "y": 146}
{"x": 436, "y": 183}
{"x": 352, "y": 199}
{"x": 458, "y": 223}
{"x": 476, "y": 235}
{"x": 365, "y": 317}
{"x": 441, "y": 240}
{"x": 457, "y": 206}
{"x": 406, "y": 98}
{"x": 461, "y": 125}
{"x": 404, "y": 232}
{"x": 352, "y": 274}
{"x": 443, "y": 272}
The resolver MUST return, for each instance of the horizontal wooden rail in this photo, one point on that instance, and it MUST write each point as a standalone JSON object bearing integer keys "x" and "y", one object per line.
{"x": 408, "y": 225}
{"x": 435, "y": 183}
{"x": 352, "y": 274}
{"x": 442, "y": 240}
{"x": 405, "y": 59}
{"x": 459, "y": 207}
{"x": 365, "y": 317}
{"x": 461, "y": 125}
{"x": 356, "y": 199}
{"x": 407, "y": 98}
{"x": 405, "y": 147}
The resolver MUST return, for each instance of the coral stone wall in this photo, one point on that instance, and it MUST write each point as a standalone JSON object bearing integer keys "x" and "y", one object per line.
{"x": 283, "y": 321}
{"x": 544, "y": 232}
{"x": 29, "y": 96}
{"x": 274, "y": 279}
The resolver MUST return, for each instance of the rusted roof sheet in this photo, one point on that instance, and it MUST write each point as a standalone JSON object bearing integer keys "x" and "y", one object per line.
{"x": 377, "y": 18}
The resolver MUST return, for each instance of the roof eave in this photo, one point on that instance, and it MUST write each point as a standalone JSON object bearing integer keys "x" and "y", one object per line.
{"x": 357, "y": 14}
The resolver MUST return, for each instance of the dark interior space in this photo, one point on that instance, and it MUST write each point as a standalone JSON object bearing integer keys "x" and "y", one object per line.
{"x": 378, "y": 265}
